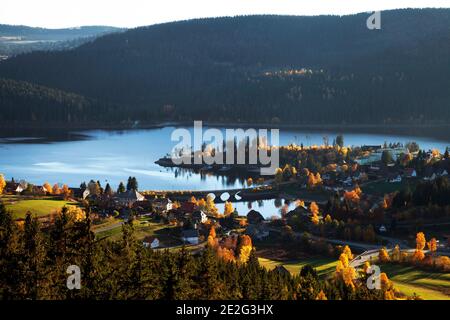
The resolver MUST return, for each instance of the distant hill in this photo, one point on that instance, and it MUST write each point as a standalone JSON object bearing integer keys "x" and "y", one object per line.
{"x": 287, "y": 69}
{"x": 21, "y": 39}
{"x": 23, "y": 102}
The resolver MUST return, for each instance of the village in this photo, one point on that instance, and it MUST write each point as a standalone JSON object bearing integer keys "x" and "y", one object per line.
{"x": 366, "y": 181}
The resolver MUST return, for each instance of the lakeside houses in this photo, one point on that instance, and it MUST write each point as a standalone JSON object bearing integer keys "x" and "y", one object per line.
{"x": 16, "y": 187}
{"x": 162, "y": 205}
{"x": 199, "y": 217}
{"x": 128, "y": 197}
{"x": 151, "y": 242}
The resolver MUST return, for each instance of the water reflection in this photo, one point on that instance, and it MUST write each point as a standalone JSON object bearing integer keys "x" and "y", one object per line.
{"x": 113, "y": 156}
{"x": 268, "y": 208}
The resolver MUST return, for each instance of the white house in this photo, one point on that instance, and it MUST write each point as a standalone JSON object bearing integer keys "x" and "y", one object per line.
{"x": 151, "y": 242}
{"x": 162, "y": 205}
{"x": 199, "y": 217}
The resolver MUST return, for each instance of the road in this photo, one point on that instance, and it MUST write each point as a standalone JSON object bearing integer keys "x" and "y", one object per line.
{"x": 108, "y": 227}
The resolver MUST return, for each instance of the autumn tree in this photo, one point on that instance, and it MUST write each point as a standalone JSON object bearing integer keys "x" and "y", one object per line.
{"x": 420, "y": 245}
{"x": 212, "y": 241}
{"x": 432, "y": 245}
{"x": 344, "y": 271}
{"x": 314, "y": 208}
{"x": 210, "y": 205}
{"x": 348, "y": 252}
{"x": 66, "y": 191}
{"x": 396, "y": 254}
{"x": 2, "y": 183}
{"x": 383, "y": 255}
{"x": 245, "y": 248}
{"x": 228, "y": 208}
{"x": 56, "y": 190}
{"x": 48, "y": 188}
{"x": 321, "y": 296}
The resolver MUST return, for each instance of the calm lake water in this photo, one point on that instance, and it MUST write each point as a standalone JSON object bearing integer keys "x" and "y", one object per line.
{"x": 268, "y": 208}
{"x": 113, "y": 156}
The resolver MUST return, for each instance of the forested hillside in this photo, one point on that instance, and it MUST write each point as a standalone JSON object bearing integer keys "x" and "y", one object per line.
{"x": 287, "y": 69}
{"x": 27, "y": 103}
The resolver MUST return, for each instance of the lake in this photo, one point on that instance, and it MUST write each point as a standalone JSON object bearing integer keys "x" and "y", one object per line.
{"x": 112, "y": 156}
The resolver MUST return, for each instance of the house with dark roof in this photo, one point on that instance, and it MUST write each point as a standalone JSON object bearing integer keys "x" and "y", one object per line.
{"x": 199, "y": 217}
{"x": 162, "y": 205}
{"x": 254, "y": 217}
{"x": 129, "y": 197}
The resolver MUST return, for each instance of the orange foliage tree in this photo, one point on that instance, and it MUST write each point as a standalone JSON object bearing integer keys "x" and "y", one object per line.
{"x": 48, "y": 188}
{"x": 383, "y": 255}
{"x": 420, "y": 244}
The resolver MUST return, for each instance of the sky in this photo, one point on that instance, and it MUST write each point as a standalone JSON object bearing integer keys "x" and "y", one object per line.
{"x": 133, "y": 13}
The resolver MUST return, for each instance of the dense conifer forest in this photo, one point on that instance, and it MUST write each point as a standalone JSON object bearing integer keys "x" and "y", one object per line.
{"x": 269, "y": 69}
{"x": 33, "y": 264}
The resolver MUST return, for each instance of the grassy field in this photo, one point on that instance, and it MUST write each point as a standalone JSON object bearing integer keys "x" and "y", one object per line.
{"x": 308, "y": 195}
{"x": 381, "y": 188}
{"x": 410, "y": 280}
{"x": 142, "y": 230}
{"x": 39, "y": 207}
{"x": 323, "y": 266}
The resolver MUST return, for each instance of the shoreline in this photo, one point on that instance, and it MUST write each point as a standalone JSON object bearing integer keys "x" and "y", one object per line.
{"x": 152, "y": 125}
{"x": 439, "y": 131}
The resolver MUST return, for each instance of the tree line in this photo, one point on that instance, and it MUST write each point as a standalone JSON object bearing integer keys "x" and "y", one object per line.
{"x": 34, "y": 262}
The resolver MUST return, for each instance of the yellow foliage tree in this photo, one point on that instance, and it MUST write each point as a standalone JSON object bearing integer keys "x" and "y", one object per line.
{"x": 420, "y": 244}
{"x": 211, "y": 206}
{"x": 383, "y": 255}
{"x": 76, "y": 213}
{"x": 300, "y": 203}
{"x": 228, "y": 209}
{"x": 348, "y": 252}
{"x": 420, "y": 241}
{"x": 2, "y": 183}
{"x": 396, "y": 254}
{"x": 245, "y": 248}
{"x": 349, "y": 275}
{"x": 201, "y": 203}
